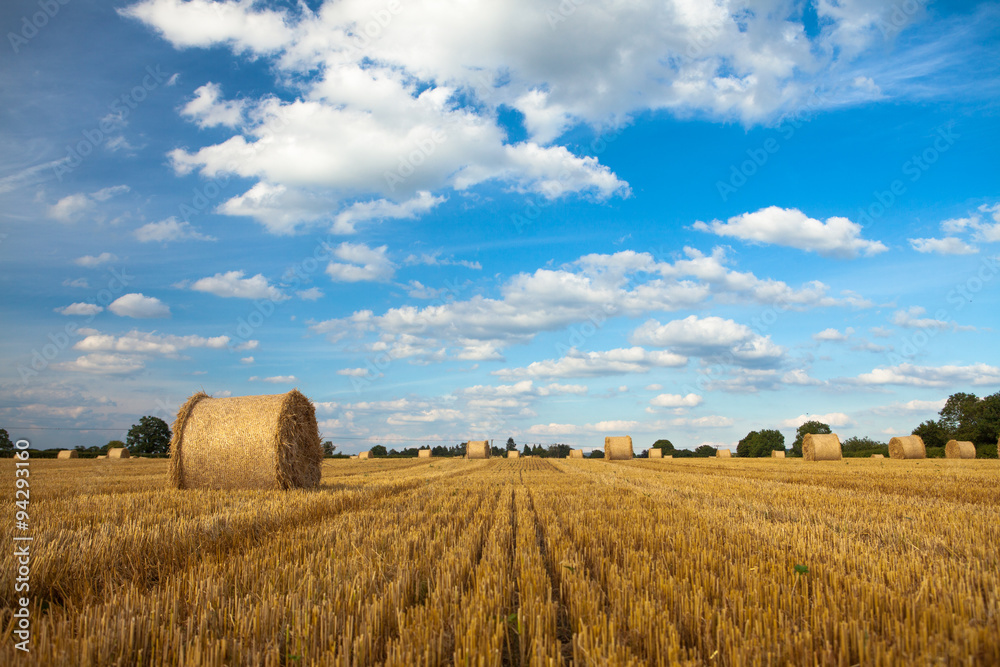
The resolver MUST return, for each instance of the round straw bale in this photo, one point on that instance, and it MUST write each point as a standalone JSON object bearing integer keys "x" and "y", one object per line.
{"x": 618, "y": 447}
{"x": 102, "y": 456}
{"x": 907, "y": 447}
{"x": 723, "y": 454}
{"x": 424, "y": 454}
{"x": 669, "y": 456}
{"x": 246, "y": 442}
{"x": 821, "y": 447}
{"x": 777, "y": 453}
{"x": 365, "y": 455}
{"x": 576, "y": 453}
{"x": 960, "y": 449}
{"x": 118, "y": 453}
{"x": 655, "y": 453}
{"x": 478, "y": 449}
{"x": 877, "y": 456}
{"x": 69, "y": 454}
{"x": 513, "y": 454}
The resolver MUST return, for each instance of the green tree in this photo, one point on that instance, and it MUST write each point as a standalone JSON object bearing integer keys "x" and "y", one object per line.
{"x": 857, "y": 444}
{"x": 815, "y": 427}
{"x": 511, "y": 445}
{"x": 150, "y": 436}
{"x": 988, "y": 420}
{"x": 329, "y": 448}
{"x": 6, "y": 446}
{"x": 378, "y": 452}
{"x": 112, "y": 444}
{"x": 757, "y": 444}
{"x": 558, "y": 451}
{"x": 526, "y": 451}
{"x": 704, "y": 451}
{"x": 932, "y": 433}
{"x": 596, "y": 454}
{"x": 665, "y": 445}
{"x": 958, "y": 416}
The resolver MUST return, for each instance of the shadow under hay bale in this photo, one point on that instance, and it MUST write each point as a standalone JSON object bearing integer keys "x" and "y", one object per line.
{"x": 246, "y": 442}
{"x": 618, "y": 448}
{"x": 959, "y": 449}
{"x": 655, "y": 453}
{"x": 821, "y": 447}
{"x": 478, "y": 449}
{"x": 69, "y": 454}
{"x": 424, "y": 454}
{"x": 723, "y": 454}
{"x": 777, "y": 454}
{"x": 118, "y": 453}
{"x": 907, "y": 447}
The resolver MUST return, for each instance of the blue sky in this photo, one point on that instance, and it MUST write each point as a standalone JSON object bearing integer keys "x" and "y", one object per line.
{"x": 552, "y": 221}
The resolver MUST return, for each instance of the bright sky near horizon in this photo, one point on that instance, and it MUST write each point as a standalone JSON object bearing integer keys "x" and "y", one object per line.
{"x": 548, "y": 220}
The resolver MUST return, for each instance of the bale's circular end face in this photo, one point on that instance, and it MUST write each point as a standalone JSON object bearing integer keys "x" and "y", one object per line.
{"x": 246, "y": 442}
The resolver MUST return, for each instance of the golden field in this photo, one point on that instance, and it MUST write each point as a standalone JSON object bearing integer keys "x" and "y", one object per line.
{"x": 516, "y": 562}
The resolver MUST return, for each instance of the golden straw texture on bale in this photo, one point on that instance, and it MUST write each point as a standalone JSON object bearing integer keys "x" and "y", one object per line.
{"x": 513, "y": 454}
{"x": 821, "y": 447}
{"x": 365, "y": 455}
{"x": 669, "y": 456}
{"x": 960, "y": 449}
{"x": 246, "y": 442}
{"x": 576, "y": 453}
{"x": 102, "y": 456}
{"x": 777, "y": 454}
{"x": 618, "y": 447}
{"x": 424, "y": 454}
{"x": 907, "y": 447}
{"x": 69, "y": 454}
{"x": 118, "y": 453}
{"x": 723, "y": 454}
{"x": 478, "y": 449}
{"x": 656, "y": 453}
{"x": 878, "y": 456}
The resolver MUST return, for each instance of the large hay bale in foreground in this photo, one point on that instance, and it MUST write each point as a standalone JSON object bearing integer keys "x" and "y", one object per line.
{"x": 246, "y": 442}
{"x": 723, "y": 454}
{"x": 907, "y": 447}
{"x": 821, "y": 447}
{"x": 513, "y": 454}
{"x": 69, "y": 454}
{"x": 118, "y": 453}
{"x": 777, "y": 453}
{"x": 618, "y": 447}
{"x": 424, "y": 454}
{"x": 478, "y": 449}
{"x": 576, "y": 453}
{"x": 959, "y": 449}
{"x": 656, "y": 453}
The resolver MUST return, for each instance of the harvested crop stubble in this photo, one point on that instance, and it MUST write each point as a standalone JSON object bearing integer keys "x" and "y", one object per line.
{"x": 723, "y": 454}
{"x": 513, "y": 454}
{"x": 960, "y": 449}
{"x": 576, "y": 453}
{"x": 907, "y": 447}
{"x": 776, "y": 454}
{"x": 656, "y": 453}
{"x": 118, "y": 453}
{"x": 246, "y": 442}
{"x": 821, "y": 447}
{"x": 424, "y": 454}
{"x": 478, "y": 449}
{"x": 618, "y": 447}
{"x": 69, "y": 454}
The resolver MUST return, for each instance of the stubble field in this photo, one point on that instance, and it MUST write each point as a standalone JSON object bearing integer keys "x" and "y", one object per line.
{"x": 515, "y": 562}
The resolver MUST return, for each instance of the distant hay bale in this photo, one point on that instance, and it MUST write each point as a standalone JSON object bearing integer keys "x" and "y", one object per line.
{"x": 907, "y": 447}
{"x": 424, "y": 454}
{"x": 821, "y": 447}
{"x": 576, "y": 453}
{"x": 656, "y": 453}
{"x": 959, "y": 449}
{"x": 669, "y": 456}
{"x": 478, "y": 449}
{"x": 246, "y": 442}
{"x": 118, "y": 453}
{"x": 354, "y": 456}
{"x": 877, "y": 456}
{"x": 365, "y": 455}
{"x": 777, "y": 453}
{"x": 618, "y": 447}
{"x": 723, "y": 454}
{"x": 513, "y": 454}
{"x": 69, "y": 454}
{"x": 102, "y": 456}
